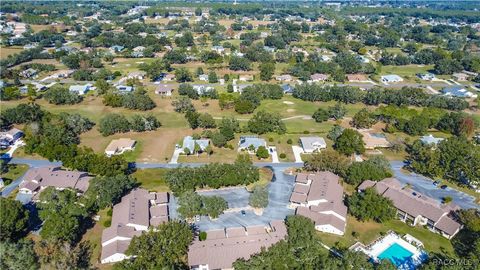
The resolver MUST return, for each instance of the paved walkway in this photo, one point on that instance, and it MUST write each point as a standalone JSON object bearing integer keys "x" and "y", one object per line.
{"x": 425, "y": 186}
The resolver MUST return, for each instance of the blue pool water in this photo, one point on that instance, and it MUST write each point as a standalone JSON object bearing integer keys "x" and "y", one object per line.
{"x": 396, "y": 254}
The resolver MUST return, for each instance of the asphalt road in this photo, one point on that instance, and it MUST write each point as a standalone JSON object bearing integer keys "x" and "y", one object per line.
{"x": 419, "y": 183}
{"x": 425, "y": 186}
{"x": 358, "y": 84}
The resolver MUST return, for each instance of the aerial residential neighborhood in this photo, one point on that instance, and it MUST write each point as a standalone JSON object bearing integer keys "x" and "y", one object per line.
{"x": 240, "y": 135}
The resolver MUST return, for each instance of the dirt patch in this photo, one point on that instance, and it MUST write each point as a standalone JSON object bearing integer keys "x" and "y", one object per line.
{"x": 288, "y": 102}
{"x": 290, "y": 110}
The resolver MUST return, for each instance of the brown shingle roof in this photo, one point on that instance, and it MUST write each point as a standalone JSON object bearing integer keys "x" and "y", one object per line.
{"x": 54, "y": 176}
{"x": 300, "y": 188}
{"x": 159, "y": 210}
{"x": 448, "y": 225}
{"x": 220, "y": 253}
{"x": 114, "y": 248}
{"x": 416, "y": 205}
{"x": 322, "y": 219}
{"x": 298, "y": 197}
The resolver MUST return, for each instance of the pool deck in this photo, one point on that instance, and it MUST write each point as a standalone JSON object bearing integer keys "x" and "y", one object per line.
{"x": 380, "y": 245}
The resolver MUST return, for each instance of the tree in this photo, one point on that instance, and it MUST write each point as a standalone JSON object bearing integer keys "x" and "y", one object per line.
{"x": 183, "y": 105}
{"x": 337, "y": 112}
{"x": 447, "y": 66}
{"x": 363, "y": 119}
{"x": 262, "y": 152}
{"x": 59, "y": 95}
{"x": 328, "y": 160}
{"x": 335, "y": 132}
{"x": 350, "y": 142}
{"x": 213, "y": 206}
{"x": 61, "y": 225}
{"x": 18, "y": 256}
{"x": 367, "y": 170}
{"x": 321, "y": 115}
{"x": 369, "y": 205}
{"x": 205, "y": 120}
{"x": 259, "y": 197}
{"x": 239, "y": 63}
{"x": 218, "y": 139}
{"x": 228, "y": 127}
{"x": 266, "y": 71}
{"x": 212, "y": 77}
{"x": 163, "y": 248}
{"x": 64, "y": 255}
{"x": 10, "y": 93}
{"x": 190, "y": 204}
{"x": 13, "y": 219}
{"x": 183, "y": 75}
{"x": 263, "y": 122}
{"x": 108, "y": 190}
{"x": 113, "y": 123}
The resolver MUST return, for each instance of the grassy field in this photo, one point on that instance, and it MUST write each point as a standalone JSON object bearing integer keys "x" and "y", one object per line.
{"x": 94, "y": 236}
{"x": 152, "y": 179}
{"x": 266, "y": 175}
{"x": 158, "y": 146}
{"x": 6, "y": 51}
{"x": 14, "y": 172}
{"x": 407, "y": 72}
{"x": 369, "y": 231}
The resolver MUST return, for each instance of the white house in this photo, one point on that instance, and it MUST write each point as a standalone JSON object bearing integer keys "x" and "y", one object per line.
{"x": 312, "y": 144}
{"x": 80, "y": 89}
{"x": 392, "y": 78}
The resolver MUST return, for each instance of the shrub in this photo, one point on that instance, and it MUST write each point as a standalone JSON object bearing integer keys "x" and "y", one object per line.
{"x": 283, "y": 155}
{"x": 289, "y": 141}
{"x": 107, "y": 223}
{"x": 202, "y": 236}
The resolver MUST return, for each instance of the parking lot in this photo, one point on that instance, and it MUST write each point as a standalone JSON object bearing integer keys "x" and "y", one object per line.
{"x": 279, "y": 194}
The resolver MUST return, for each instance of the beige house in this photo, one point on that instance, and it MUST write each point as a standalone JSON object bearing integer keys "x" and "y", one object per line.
{"x": 284, "y": 78}
{"x": 223, "y": 247}
{"x": 374, "y": 140}
{"x": 136, "y": 212}
{"x": 414, "y": 208}
{"x": 165, "y": 90}
{"x": 119, "y": 146}
{"x": 319, "y": 197}
{"x": 37, "y": 179}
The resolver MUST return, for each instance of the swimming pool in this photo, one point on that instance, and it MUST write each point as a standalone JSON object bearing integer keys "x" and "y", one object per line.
{"x": 397, "y": 254}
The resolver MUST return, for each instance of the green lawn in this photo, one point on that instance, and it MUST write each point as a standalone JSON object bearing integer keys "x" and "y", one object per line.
{"x": 132, "y": 156}
{"x": 14, "y": 172}
{"x": 152, "y": 179}
{"x": 369, "y": 231}
{"x": 94, "y": 237}
{"x": 407, "y": 72}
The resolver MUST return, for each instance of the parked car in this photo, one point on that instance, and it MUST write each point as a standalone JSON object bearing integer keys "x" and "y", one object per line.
{"x": 443, "y": 187}
{"x": 197, "y": 218}
{"x": 243, "y": 212}
{"x": 435, "y": 183}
